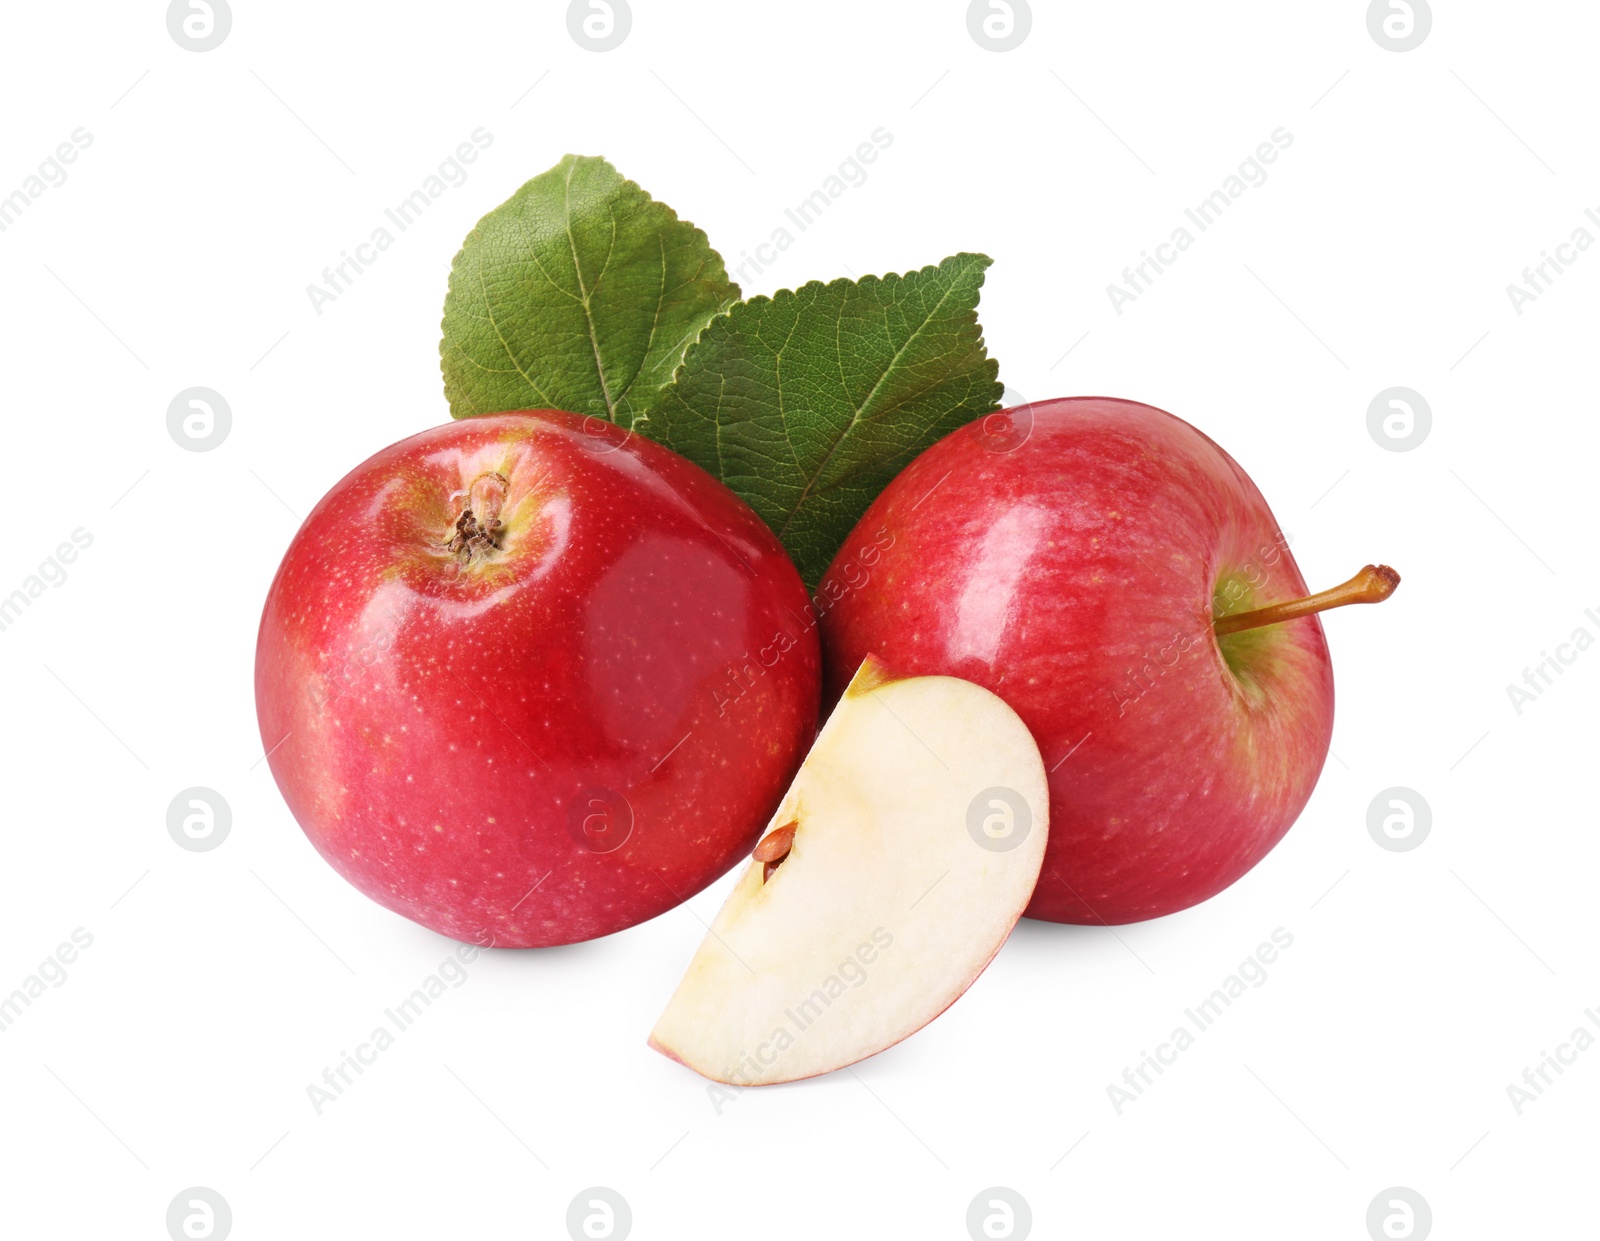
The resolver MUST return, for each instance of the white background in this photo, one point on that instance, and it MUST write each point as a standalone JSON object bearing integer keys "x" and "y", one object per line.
{"x": 219, "y": 985}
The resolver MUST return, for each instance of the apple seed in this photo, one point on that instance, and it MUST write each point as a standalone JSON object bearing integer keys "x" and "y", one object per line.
{"x": 773, "y": 848}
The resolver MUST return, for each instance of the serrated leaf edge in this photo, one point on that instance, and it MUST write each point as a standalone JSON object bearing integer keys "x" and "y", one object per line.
{"x": 722, "y": 319}
{"x": 698, "y": 234}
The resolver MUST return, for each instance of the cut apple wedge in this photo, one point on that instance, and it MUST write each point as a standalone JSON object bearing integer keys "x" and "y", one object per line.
{"x": 898, "y": 862}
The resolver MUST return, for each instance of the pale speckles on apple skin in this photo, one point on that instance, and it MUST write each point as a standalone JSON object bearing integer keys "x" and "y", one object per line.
{"x": 395, "y": 744}
{"x": 1109, "y": 606}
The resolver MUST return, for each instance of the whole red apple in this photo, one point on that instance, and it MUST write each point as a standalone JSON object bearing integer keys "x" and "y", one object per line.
{"x": 529, "y": 679}
{"x": 1071, "y": 556}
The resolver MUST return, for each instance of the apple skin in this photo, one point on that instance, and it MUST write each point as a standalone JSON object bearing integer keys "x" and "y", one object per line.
{"x": 1070, "y": 556}
{"x": 555, "y": 740}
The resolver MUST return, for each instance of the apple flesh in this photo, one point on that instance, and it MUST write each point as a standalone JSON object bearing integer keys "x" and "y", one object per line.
{"x": 528, "y": 679}
{"x": 1072, "y": 556}
{"x": 894, "y": 869}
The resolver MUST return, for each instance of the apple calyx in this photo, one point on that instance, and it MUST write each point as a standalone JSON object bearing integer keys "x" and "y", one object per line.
{"x": 1373, "y": 584}
{"x": 478, "y": 530}
{"x": 773, "y": 848}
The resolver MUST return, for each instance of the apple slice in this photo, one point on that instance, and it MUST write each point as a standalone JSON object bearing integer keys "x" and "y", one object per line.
{"x": 898, "y": 862}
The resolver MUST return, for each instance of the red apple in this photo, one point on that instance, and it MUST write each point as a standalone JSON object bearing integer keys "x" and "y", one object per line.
{"x": 529, "y": 679}
{"x": 1071, "y": 556}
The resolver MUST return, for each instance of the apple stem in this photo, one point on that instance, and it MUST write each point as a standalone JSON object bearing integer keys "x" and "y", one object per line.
{"x": 1374, "y": 584}
{"x": 485, "y": 499}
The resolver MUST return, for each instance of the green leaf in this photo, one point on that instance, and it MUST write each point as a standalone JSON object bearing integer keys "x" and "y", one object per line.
{"x": 807, "y": 403}
{"x": 579, "y": 292}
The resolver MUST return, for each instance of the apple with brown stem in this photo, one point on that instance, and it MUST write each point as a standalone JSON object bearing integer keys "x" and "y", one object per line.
{"x": 1117, "y": 578}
